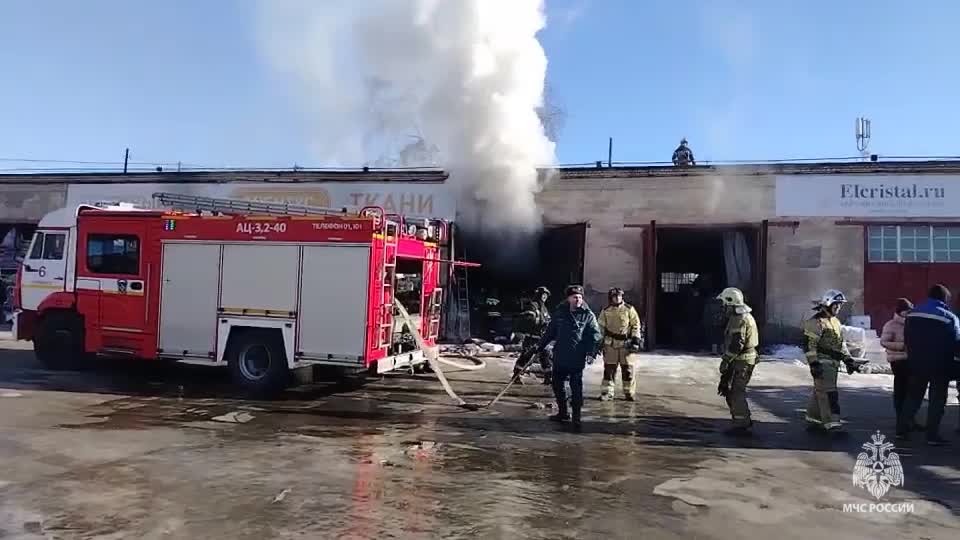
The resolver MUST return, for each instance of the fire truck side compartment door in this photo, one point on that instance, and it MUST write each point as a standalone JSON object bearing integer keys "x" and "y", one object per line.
{"x": 45, "y": 267}
{"x": 188, "y": 299}
{"x": 260, "y": 279}
{"x": 333, "y": 303}
{"x": 113, "y": 274}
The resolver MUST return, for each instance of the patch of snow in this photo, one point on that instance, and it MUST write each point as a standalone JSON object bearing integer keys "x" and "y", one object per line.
{"x": 790, "y": 354}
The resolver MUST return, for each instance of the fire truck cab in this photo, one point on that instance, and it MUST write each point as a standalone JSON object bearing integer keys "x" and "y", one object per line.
{"x": 260, "y": 288}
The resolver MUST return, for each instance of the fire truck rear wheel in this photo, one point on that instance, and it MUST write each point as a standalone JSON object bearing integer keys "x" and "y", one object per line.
{"x": 258, "y": 363}
{"x": 59, "y": 342}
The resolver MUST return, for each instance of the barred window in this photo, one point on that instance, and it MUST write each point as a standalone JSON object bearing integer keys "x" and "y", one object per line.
{"x": 671, "y": 281}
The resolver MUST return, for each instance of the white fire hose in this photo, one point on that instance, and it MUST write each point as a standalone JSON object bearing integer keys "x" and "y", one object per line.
{"x": 433, "y": 357}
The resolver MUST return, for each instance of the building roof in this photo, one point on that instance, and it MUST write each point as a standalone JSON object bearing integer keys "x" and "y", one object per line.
{"x": 425, "y": 176}
{"x": 437, "y": 176}
{"x": 759, "y": 169}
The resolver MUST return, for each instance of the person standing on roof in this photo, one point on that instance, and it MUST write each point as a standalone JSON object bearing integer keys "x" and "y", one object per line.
{"x": 574, "y": 331}
{"x": 620, "y": 326}
{"x": 931, "y": 334}
{"x": 683, "y": 155}
{"x": 532, "y": 323}
{"x": 825, "y": 350}
{"x": 740, "y": 341}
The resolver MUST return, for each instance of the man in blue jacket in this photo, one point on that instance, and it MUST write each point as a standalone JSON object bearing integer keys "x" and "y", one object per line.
{"x": 576, "y": 336}
{"x": 931, "y": 336}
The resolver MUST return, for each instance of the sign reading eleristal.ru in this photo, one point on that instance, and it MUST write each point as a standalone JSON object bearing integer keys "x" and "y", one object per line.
{"x": 868, "y": 195}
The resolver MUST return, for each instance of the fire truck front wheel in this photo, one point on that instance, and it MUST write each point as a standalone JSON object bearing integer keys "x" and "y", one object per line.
{"x": 59, "y": 340}
{"x": 257, "y": 361}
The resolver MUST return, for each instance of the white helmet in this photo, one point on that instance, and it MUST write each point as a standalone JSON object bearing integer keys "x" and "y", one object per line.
{"x": 732, "y": 296}
{"x": 829, "y": 298}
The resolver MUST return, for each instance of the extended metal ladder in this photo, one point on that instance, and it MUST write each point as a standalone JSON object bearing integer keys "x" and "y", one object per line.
{"x": 461, "y": 284}
{"x": 188, "y": 203}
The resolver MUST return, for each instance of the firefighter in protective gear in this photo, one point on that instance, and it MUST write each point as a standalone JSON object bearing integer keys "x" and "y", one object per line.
{"x": 739, "y": 355}
{"x": 620, "y": 326}
{"x": 826, "y": 351}
{"x": 683, "y": 155}
{"x": 533, "y": 321}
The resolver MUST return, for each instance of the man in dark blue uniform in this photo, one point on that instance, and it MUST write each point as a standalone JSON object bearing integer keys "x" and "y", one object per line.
{"x": 931, "y": 334}
{"x": 575, "y": 334}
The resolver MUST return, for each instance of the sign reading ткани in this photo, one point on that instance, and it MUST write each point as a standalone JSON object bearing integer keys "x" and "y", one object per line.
{"x": 847, "y": 195}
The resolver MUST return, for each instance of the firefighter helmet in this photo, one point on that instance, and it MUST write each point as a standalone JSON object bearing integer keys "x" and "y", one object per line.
{"x": 574, "y": 289}
{"x": 541, "y": 290}
{"x": 829, "y": 299}
{"x": 616, "y": 291}
{"x": 732, "y": 296}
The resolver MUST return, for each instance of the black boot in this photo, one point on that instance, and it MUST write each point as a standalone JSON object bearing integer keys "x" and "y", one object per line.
{"x": 739, "y": 431}
{"x": 577, "y": 426}
{"x": 518, "y": 377}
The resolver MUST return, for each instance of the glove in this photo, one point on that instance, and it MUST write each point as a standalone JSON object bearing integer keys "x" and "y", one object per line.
{"x": 724, "y": 387}
{"x": 816, "y": 370}
{"x": 724, "y": 365}
{"x": 590, "y": 359}
{"x": 853, "y": 365}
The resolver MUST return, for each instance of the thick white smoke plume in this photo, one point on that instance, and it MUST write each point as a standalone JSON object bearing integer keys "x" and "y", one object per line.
{"x": 450, "y": 83}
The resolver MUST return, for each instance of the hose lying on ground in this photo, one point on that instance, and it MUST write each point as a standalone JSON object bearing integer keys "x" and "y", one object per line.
{"x": 434, "y": 359}
{"x": 431, "y": 354}
{"x": 475, "y": 364}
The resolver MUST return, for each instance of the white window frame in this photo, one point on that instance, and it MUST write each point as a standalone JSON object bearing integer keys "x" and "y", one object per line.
{"x": 899, "y": 229}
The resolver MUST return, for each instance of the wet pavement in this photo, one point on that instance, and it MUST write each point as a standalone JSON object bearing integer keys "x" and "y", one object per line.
{"x": 146, "y": 450}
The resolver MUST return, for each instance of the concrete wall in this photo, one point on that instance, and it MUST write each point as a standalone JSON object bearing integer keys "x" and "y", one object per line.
{"x": 613, "y": 256}
{"x": 25, "y": 203}
{"x": 806, "y": 260}
{"x": 802, "y": 261}
{"x": 614, "y": 208}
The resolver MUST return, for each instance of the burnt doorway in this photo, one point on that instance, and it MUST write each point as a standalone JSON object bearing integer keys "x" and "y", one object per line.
{"x": 692, "y": 266}
{"x": 510, "y": 270}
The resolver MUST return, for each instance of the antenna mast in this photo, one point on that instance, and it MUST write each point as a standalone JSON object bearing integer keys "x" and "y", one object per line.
{"x": 863, "y": 136}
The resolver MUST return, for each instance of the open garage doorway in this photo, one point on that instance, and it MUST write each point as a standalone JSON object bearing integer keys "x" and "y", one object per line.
{"x": 692, "y": 266}
{"x": 510, "y": 271}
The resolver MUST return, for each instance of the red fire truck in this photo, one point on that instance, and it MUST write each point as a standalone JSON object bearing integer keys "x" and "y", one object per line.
{"x": 262, "y": 288}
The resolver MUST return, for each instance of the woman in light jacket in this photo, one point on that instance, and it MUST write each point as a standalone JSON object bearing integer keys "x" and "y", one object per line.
{"x": 892, "y": 340}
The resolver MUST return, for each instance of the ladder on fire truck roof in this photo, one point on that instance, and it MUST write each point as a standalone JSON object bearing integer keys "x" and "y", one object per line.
{"x": 188, "y": 203}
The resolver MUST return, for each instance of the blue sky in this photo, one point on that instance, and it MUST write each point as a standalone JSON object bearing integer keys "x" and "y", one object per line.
{"x": 182, "y": 80}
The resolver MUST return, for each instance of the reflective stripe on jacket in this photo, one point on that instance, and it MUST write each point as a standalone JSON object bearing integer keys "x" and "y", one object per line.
{"x": 618, "y": 324}
{"x": 823, "y": 339}
{"x": 741, "y": 339}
